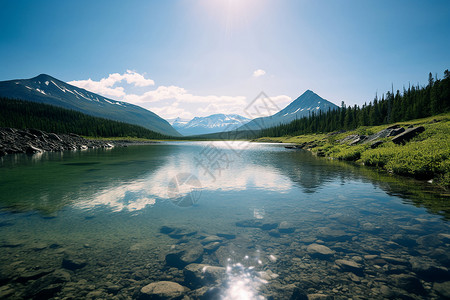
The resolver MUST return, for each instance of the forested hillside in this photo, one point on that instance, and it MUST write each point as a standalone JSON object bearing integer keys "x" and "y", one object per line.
{"x": 24, "y": 114}
{"x": 413, "y": 103}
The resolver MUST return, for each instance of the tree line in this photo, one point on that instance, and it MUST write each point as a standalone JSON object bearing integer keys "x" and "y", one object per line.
{"x": 25, "y": 114}
{"x": 413, "y": 103}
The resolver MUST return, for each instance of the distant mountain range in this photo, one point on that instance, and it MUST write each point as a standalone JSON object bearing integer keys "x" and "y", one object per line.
{"x": 210, "y": 124}
{"x": 307, "y": 103}
{"x": 49, "y": 90}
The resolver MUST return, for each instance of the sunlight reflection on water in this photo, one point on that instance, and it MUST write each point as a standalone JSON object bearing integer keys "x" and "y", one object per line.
{"x": 243, "y": 283}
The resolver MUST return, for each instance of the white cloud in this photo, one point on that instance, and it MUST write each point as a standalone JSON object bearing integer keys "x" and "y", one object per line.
{"x": 106, "y": 85}
{"x": 169, "y": 101}
{"x": 259, "y": 72}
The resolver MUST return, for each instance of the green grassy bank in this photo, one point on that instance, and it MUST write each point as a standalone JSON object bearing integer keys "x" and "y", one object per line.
{"x": 425, "y": 157}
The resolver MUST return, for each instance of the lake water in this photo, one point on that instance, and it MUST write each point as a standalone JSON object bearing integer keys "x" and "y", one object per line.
{"x": 276, "y": 223}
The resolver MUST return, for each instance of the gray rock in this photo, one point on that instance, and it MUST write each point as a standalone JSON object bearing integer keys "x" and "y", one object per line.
{"x": 198, "y": 275}
{"x": 396, "y": 131}
{"x": 72, "y": 263}
{"x": 166, "y": 229}
{"x": 227, "y": 236}
{"x": 349, "y": 138}
{"x": 211, "y": 239}
{"x": 162, "y": 290}
{"x": 47, "y": 286}
{"x": 444, "y": 236}
{"x": 286, "y": 227}
{"x": 395, "y": 260}
{"x": 179, "y": 233}
{"x": 206, "y": 293}
{"x": 319, "y": 297}
{"x": 403, "y": 240}
{"x": 442, "y": 289}
{"x": 186, "y": 254}
{"x": 320, "y": 251}
{"x": 328, "y": 234}
{"x": 211, "y": 247}
{"x": 375, "y": 144}
{"x": 274, "y": 233}
{"x": 32, "y": 149}
{"x": 429, "y": 271}
{"x": 6, "y": 291}
{"x": 349, "y": 266}
{"x": 358, "y": 140}
{"x": 408, "y": 283}
{"x": 430, "y": 240}
{"x": 33, "y": 275}
{"x": 408, "y": 134}
{"x": 12, "y": 243}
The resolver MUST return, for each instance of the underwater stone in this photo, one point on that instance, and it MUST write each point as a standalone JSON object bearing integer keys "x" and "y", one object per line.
{"x": 320, "y": 251}
{"x": 286, "y": 227}
{"x": 72, "y": 263}
{"x": 198, "y": 275}
{"x": 184, "y": 255}
{"x": 349, "y": 266}
{"x": 162, "y": 290}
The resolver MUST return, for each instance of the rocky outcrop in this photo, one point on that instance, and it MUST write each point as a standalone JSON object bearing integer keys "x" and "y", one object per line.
{"x": 408, "y": 134}
{"x": 33, "y": 141}
{"x": 400, "y": 135}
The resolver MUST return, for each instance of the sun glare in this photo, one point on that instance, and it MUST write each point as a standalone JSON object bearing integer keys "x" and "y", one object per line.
{"x": 234, "y": 13}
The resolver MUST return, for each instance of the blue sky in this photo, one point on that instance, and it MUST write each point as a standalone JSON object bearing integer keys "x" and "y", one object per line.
{"x": 193, "y": 58}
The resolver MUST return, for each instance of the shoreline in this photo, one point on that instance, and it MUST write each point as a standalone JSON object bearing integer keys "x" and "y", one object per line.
{"x": 31, "y": 141}
{"x": 418, "y": 149}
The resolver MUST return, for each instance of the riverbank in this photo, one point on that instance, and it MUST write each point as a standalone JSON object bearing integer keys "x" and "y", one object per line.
{"x": 417, "y": 148}
{"x": 31, "y": 141}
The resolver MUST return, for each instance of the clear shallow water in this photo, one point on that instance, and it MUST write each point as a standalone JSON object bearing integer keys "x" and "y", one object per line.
{"x": 105, "y": 223}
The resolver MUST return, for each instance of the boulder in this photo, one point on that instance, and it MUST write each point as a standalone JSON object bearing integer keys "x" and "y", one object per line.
{"x": 408, "y": 283}
{"x": 33, "y": 275}
{"x": 198, "y": 275}
{"x": 181, "y": 256}
{"x": 429, "y": 271}
{"x": 211, "y": 239}
{"x": 319, "y": 297}
{"x": 349, "y": 266}
{"x": 227, "y": 236}
{"x": 162, "y": 290}
{"x": 179, "y": 233}
{"x": 328, "y": 234}
{"x": 54, "y": 136}
{"x": 320, "y": 251}
{"x": 358, "y": 140}
{"x": 72, "y": 263}
{"x": 396, "y": 131}
{"x": 407, "y": 135}
{"x": 349, "y": 138}
{"x": 32, "y": 149}
{"x": 442, "y": 289}
{"x": 376, "y": 144}
{"x": 47, "y": 286}
{"x": 286, "y": 227}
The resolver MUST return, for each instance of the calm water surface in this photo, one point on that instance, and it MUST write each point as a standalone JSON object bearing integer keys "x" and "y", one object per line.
{"x": 277, "y": 224}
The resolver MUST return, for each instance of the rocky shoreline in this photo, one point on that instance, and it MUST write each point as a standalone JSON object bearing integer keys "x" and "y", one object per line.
{"x": 31, "y": 141}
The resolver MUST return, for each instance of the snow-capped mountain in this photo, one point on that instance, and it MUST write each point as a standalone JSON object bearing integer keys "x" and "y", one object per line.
{"x": 49, "y": 90}
{"x": 177, "y": 122}
{"x": 210, "y": 124}
{"x": 307, "y": 103}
